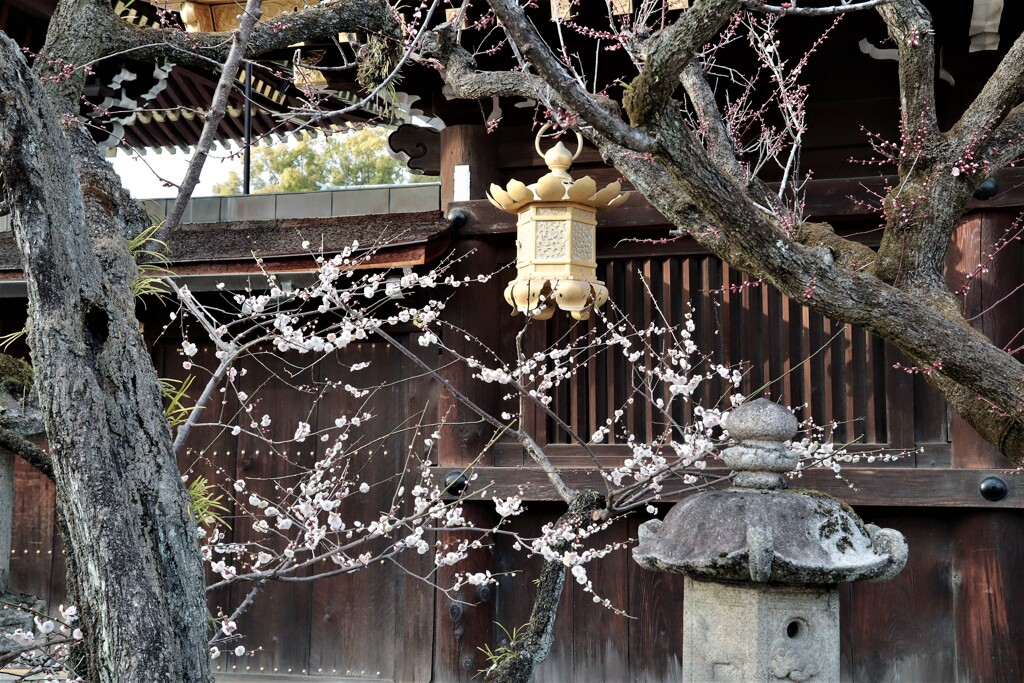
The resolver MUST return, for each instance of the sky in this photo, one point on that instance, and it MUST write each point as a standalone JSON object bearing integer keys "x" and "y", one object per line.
{"x": 139, "y": 173}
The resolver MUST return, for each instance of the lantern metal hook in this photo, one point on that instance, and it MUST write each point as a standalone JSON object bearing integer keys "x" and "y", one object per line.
{"x": 546, "y": 127}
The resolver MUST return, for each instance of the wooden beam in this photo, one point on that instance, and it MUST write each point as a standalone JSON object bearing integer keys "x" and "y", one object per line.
{"x": 827, "y": 199}
{"x": 889, "y": 487}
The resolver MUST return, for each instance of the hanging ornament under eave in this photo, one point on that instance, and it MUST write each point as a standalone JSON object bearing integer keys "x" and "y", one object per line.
{"x": 556, "y": 251}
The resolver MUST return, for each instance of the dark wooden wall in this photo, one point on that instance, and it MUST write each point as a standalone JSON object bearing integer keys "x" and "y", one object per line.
{"x": 953, "y": 615}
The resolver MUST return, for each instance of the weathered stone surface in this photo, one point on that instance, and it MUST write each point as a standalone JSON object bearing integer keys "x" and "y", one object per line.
{"x": 761, "y": 426}
{"x": 734, "y": 632}
{"x": 811, "y": 538}
{"x": 761, "y": 420}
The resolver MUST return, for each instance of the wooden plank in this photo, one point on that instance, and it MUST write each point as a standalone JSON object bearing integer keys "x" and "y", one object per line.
{"x": 348, "y": 624}
{"x": 913, "y": 637}
{"x": 516, "y": 591}
{"x": 601, "y": 650}
{"x": 826, "y": 199}
{"x": 415, "y": 658}
{"x": 969, "y": 248}
{"x": 462, "y": 621}
{"x": 209, "y": 452}
{"x": 988, "y": 594}
{"x": 872, "y": 486}
{"x": 899, "y": 406}
{"x": 34, "y": 531}
{"x": 656, "y": 632}
{"x": 272, "y": 384}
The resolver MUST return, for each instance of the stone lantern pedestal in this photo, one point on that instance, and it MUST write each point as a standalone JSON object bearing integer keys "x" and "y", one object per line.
{"x": 763, "y": 563}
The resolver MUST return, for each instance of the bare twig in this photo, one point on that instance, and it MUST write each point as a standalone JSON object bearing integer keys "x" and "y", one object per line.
{"x": 214, "y": 115}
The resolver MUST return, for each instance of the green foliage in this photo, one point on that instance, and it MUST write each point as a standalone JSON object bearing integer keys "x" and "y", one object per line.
{"x": 15, "y": 375}
{"x": 376, "y": 60}
{"x": 8, "y": 339}
{"x": 205, "y": 505}
{"x": 502, "y": 653}
{"x": 153, "y": 267}
{"x": 174, "y": 391}
{"x": 357, "y": 158}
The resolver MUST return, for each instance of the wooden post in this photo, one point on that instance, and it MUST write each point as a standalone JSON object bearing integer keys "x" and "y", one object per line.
{"x": 464, "y": 621}
{"x": 469, "y": 163}
{"x": 989, "y": 304}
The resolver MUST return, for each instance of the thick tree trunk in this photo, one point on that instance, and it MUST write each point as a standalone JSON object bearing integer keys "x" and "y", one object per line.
{"x": 532, "y": 647}
{"x": 133, "y": 554}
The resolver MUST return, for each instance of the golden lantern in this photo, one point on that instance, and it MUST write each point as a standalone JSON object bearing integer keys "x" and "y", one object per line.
{"x": 556, "y": 251}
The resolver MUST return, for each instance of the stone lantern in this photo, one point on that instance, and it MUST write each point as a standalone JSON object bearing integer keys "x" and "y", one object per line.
{"x": 762, "y": 564}
{"x": 556, "y": 252}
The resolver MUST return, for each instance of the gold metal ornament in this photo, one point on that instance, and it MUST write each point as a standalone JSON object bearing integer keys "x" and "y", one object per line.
{"x": 556, "y": 251}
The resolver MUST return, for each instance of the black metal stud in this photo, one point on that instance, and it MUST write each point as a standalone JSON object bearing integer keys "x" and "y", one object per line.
{"x": 993, "y": 489}
{"x": 455, "y": 482}
{"x": 987, "y": 189}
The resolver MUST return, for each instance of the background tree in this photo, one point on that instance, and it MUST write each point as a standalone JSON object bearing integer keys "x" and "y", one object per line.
{"x": 700, "y": 162}
{"x": 354, "y": 158}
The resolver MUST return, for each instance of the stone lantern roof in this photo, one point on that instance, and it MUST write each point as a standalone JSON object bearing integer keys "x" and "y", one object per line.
{"x": 760, "y": 532}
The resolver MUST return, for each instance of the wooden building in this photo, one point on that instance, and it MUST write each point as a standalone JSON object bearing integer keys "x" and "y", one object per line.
{"x": 952, "y": 615}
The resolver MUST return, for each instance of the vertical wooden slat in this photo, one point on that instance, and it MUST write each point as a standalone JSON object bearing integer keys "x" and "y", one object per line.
{"x": 34, "y": 532}
{"x": 899, "y": 394}
{"x": 414, "y": 660}
{"x": 988, "y": 593}
{"x": 769, "y": 325}
{"x": 347, "y": 624}
{"x": 612, "y": 381}
{"x": 656, "y": 634}
{"x": 870, "y": 399}
{"x": 805, "y": 374}
{"x": 786, "y": 341}
{"x": 269, "y": 472}
{"x": 835, "y": 377}
{"x": 850, "y": 369}
{"x": 828, "y": 371}
{"x": 601, "y": 650}
{"x": 595, "y": 379}
{"x": 903, "y": 629}
{"x": 461, "y": 629}
{"x": 633, "y": 307}
{"x": 649, "y": 316}
{"x": 708, "y": 341}
{"x": 970, "y": 247}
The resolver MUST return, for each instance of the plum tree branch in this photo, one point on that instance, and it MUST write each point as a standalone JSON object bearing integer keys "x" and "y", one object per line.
{"x": 910, "y": 26}
{"x": 31, "y": 453}
{"x": 214, "y": 115}
{"x": 1003, "y": 90}
{"x": 525, "y": 35}
{"x": 321, "y": 22}
{"x": 668, "y": 52}
{"x": 830, "y": 10}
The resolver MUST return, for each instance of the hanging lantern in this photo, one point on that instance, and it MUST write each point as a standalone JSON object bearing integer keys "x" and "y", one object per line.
{"x": 556, "y": 252}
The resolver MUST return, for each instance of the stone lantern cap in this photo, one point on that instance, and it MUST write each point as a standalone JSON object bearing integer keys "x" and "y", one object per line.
{"x": 759, "y": 532}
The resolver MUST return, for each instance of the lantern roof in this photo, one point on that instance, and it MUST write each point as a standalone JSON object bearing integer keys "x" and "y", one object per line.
{"x": 557, "y": 185}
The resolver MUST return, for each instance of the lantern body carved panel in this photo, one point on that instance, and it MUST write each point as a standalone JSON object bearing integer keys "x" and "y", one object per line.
{"x": 557, "y": 241}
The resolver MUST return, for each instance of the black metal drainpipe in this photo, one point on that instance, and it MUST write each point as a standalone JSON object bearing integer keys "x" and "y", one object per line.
{"x": 248, "y": 128}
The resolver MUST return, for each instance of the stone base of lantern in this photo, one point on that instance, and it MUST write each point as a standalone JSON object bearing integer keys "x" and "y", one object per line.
{"x": 760, "y": 632}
